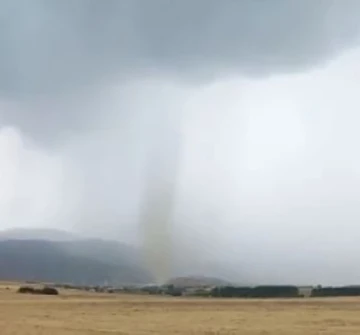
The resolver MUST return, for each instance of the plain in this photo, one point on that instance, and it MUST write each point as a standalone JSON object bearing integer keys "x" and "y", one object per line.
{"x": 74, "y": 312}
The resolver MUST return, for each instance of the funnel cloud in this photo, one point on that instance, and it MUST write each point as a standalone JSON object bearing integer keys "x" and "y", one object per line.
{"x": 243, "y": 113}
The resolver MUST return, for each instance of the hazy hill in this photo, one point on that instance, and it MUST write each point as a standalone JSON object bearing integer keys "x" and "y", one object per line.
{"x": 61, "y": 256}
{"x": 111, "y": 252}
{"x": 37, "y": 234}
{"x": 56, "y": 256}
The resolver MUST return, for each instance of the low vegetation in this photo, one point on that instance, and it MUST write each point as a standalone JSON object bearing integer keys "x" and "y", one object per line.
{"x": 256, "y": 292}
{"x": 228, "y": 291}
{"x": 33, "y": 290}
{"x": 345, "y": 291}
{"x": 263, "y": 291}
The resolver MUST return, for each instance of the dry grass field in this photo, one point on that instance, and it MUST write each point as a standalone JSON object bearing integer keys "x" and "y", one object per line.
{"x": 78, "y": 313}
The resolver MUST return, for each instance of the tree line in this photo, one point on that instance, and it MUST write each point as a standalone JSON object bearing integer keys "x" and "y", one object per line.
{"x": 282, "y": 291}
{"x": 262, "y": 291}
{"x": 285, "y": 291}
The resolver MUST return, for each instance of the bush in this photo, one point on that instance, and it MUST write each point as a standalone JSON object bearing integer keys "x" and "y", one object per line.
{"x": 45, "y": 290}
{"x": 26, "y": 289}
{"x": 49, "y": 291}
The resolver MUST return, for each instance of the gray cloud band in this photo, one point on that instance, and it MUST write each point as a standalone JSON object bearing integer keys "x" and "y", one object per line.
{"x": 57, "y": 46}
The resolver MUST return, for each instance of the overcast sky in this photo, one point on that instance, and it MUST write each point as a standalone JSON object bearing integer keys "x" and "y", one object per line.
{"x": 255, "y": 101}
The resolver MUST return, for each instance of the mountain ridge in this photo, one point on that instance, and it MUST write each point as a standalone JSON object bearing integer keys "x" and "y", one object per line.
{"x": 40, "y": 255}
{"x": 53, "y": 255}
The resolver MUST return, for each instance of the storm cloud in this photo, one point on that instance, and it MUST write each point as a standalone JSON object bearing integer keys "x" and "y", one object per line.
{"x": 51, "y": 48}
{"x": 89, "y": 88}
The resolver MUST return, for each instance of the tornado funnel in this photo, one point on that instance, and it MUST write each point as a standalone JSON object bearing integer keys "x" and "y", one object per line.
{"x": 159, "y": 198}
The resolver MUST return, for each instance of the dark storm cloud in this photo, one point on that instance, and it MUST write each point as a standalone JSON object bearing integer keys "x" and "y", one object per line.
{"x": 50, "y": 47}
{"x": 53, "y": 45}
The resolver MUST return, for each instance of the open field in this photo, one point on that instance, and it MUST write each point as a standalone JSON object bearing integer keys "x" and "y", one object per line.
{"x": 93, "y": 313}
